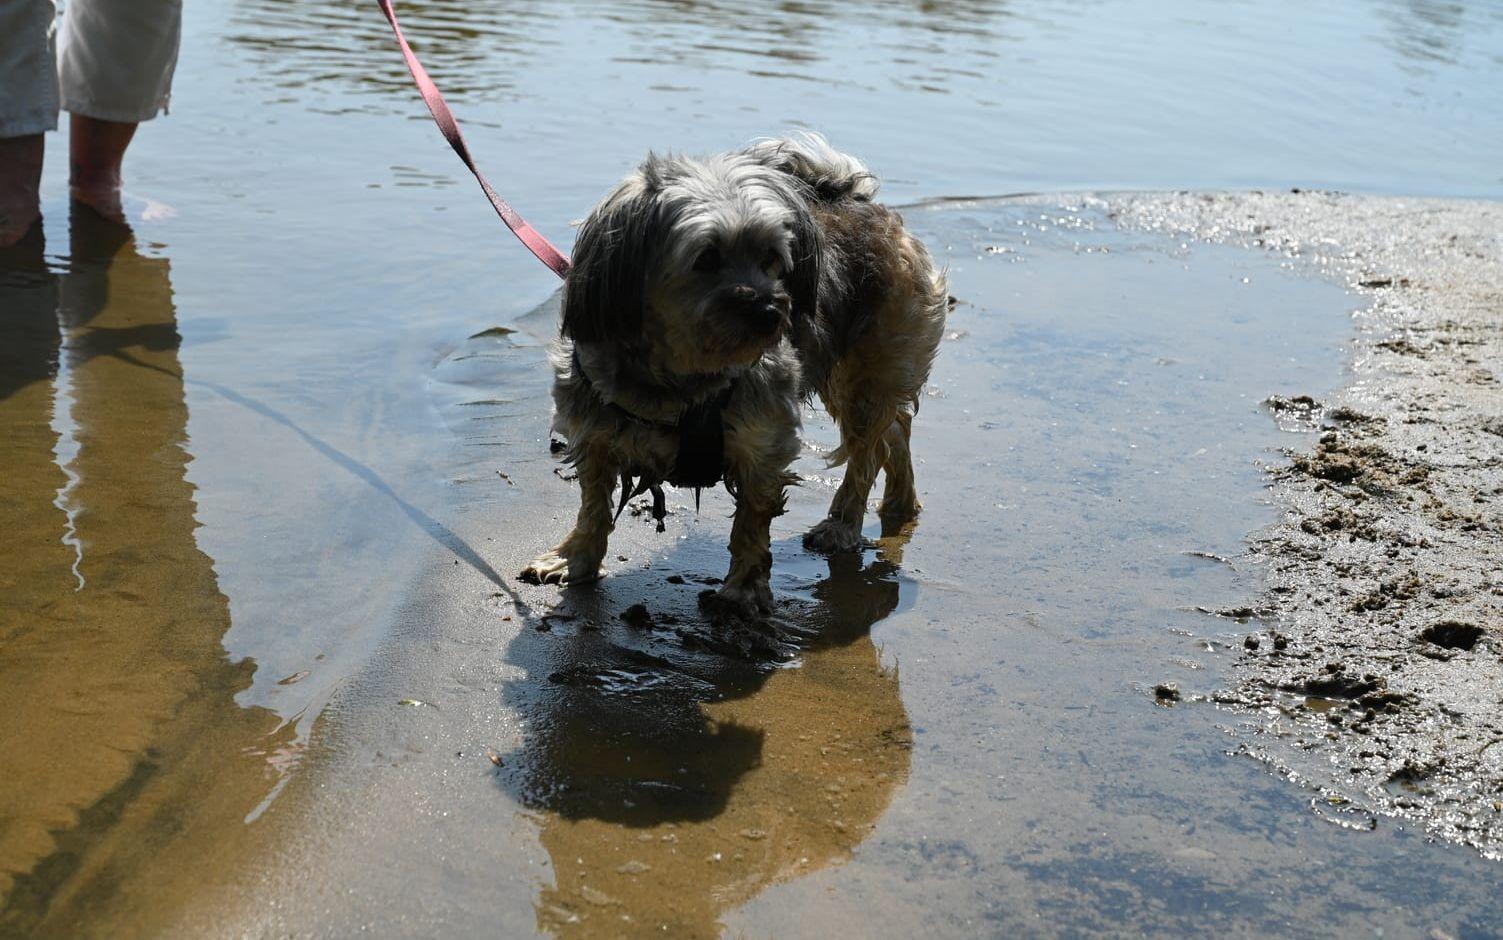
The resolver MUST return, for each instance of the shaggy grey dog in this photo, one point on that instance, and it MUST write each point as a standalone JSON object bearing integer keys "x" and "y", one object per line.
{"x": 708, "y": 299}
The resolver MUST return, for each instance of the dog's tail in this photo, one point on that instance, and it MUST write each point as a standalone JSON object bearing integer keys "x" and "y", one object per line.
{"x": 809, "y": 157}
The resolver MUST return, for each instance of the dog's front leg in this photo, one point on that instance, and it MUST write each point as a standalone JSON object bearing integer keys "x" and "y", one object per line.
{"x": 747, "y": 592}
{"x": 577, "y": 558}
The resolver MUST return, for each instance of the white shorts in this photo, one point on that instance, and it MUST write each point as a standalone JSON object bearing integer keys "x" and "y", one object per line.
{"x": 116, "y": 61}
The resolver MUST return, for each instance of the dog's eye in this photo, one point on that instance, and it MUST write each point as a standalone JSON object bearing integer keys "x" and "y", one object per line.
{"x": 773, "y": 263}
{"x": 708, "y": 260}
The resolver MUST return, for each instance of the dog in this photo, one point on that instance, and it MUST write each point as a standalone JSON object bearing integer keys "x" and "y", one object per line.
{"x": 708, "y": 299}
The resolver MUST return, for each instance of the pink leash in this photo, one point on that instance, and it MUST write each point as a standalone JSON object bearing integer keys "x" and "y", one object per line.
{"x": 531, "y": 237}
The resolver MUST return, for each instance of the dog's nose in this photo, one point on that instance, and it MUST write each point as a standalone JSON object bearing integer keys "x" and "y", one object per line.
{"x": 768, "y": 316}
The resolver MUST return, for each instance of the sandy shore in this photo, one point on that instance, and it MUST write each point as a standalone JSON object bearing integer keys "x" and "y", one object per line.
{"x": 1371, "y": 671}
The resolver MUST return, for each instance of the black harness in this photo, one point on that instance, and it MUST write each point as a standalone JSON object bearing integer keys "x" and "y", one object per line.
{"x": 700, "y": 459}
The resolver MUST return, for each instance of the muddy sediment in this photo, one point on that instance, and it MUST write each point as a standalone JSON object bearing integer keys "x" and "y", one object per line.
{"x": 1376, "y": 677}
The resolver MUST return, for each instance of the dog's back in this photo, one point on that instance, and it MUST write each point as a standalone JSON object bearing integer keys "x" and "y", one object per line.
{"x": 830, "y": 174}
{"x": 876, "y": 328}
{"x": 880, "y": 295}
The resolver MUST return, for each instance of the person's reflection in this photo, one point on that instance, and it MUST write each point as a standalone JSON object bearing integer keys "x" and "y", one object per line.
{"x": 1425, "y": 33}
{"x": 676, "y": 781}
{"x": 122, "y": 745}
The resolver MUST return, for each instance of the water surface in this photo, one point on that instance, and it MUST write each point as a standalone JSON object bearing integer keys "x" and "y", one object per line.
{"x": 252, "y": 480}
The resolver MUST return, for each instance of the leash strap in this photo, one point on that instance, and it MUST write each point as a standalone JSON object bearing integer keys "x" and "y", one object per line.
{"x": 529, "y": 236}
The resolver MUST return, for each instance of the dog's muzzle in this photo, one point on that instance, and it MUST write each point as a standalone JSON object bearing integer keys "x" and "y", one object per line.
{"x": 763, "y": 313}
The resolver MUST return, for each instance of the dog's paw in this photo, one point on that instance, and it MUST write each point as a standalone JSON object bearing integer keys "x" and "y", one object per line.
{"x": 897, "y": 519}
{"x": 733, "y": 602}
{"x": 553, "y": 568}
{"x": 896, "y": 512}
{"x": 834, "y": 535}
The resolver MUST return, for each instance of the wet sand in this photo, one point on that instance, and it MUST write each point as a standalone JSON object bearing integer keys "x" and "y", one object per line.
{"x": 1371, "y": 673}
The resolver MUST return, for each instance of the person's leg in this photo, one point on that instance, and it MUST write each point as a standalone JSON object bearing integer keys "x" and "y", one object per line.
{"x": 96, "y": 151}
{"x": 116, "y": 71}
{"x": 20, "y": 186}
{"x": 28, "y": 108}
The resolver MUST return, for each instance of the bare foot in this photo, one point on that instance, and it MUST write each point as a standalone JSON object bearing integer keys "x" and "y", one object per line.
{"x": 96, "y": 151}
{"x": 20, "y": 179}
{"x": 105, "y": 200}
{"x": 15, "y": 224}
{"x": 121, "y": 207}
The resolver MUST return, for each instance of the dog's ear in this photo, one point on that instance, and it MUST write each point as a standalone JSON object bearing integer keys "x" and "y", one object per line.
{"x": 606, "y": 289}
{"x": 808, "y": 261}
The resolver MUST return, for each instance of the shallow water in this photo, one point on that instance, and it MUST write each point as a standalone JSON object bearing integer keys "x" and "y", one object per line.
{"x": 253, "y": 472}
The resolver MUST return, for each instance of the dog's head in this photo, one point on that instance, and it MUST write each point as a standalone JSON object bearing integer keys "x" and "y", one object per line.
{"x": 699, "y": 264}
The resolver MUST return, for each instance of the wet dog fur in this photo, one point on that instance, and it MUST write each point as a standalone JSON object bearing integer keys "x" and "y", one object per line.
{"x": 768, "y": 271}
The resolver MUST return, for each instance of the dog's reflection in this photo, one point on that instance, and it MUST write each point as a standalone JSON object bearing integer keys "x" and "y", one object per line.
{"x": 676, "y": 777}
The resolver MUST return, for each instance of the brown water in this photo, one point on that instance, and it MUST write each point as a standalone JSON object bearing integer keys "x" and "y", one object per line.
{"x": 253, "y": 465}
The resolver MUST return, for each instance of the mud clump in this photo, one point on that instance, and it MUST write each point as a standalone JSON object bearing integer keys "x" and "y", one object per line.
{"x": 1391, "y": 591}
{"x": 1299, "y": 403}
{"x": 1410, "y": 774}
{"x": 1297, "y": 412}
{"x": 1345, "y": 414}
{"x": 1334, "y": 683}
{"x": 1328, "y": 465}
{"x": 1402, "y": 347}
{"x": 1452, "y": 635}
{"x": 1368, "y": 691}
{"x": 1239, "y": 614}
{"x": 1340, "y": 519}
{"x": 1339, "y": 459}
{"x": 637, "y": 617}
